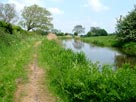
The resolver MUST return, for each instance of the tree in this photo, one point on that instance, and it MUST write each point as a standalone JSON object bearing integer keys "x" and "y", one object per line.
{"x": 97, "y": 31}
{"x": 126, "y": 27}
{"x": 55, "y": 31}
{"x": 35, "y": 17}
{"x": 75, "y": 33}
{"x": 78, "y": 29}
{"x": 89, "y": 34}
{"x": 7, "y": 12}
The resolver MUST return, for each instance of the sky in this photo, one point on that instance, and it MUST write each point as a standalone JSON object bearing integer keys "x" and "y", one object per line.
{"x": 88, "y": 13}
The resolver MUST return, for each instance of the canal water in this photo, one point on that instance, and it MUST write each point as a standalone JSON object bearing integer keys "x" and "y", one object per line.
{"x": 102, "y": 55}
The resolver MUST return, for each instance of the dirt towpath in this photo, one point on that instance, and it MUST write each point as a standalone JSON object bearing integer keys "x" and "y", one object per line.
{"x": 35, "y": 90}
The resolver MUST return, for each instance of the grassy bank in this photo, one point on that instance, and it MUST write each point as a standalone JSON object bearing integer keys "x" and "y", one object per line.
{"x": 129, "y": 48}
{"x": 15, "y": 54}
{"x": 110, "y": 41}
{"x": 74, "y": 79}
{"x": 101, "y": 40}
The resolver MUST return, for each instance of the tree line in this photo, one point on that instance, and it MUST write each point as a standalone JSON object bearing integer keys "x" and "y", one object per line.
{"x": 125, "y": 28}
{"x": 32, "y": 17}
{"x": 38, "y": 18}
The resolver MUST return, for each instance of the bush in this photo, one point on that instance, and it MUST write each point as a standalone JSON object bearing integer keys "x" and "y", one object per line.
{"x": 7, "y": 27}
{"x": 126, "y": 27}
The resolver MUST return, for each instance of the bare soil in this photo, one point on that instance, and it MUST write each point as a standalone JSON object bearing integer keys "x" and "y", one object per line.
{"x": 35, "y": 90}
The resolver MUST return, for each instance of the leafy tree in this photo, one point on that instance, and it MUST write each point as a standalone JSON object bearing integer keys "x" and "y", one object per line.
{"x": 75, "y": 33}
{"x": 7, "y": 12}
{"x": 56, "y": 31}
{"x": 41, "y": 32}
{"x": 96, "y": 31}
{"x": 89, "y": 34}
{"x": 78, "y": 29}
{"x": 126, "y": 27}
{"x": 35, "y": 17}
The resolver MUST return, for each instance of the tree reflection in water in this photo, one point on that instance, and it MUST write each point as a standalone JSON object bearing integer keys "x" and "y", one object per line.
{"x": 78, "y": 44}
{"x": 123, "y": 59}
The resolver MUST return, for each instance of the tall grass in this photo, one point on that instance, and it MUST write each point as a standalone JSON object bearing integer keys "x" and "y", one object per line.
{"x": 15, "y": 53}
{"x": 74, "y": 79}
{"x": 101, "y": 40}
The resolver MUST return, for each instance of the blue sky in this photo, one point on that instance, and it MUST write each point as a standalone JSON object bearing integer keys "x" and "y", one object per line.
{"x": 68, "y": 13}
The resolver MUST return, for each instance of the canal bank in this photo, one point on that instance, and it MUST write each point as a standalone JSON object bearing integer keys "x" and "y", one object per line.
{"x": 99, "y": 54}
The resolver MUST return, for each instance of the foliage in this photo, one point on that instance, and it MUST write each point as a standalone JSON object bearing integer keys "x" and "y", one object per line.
{"x": 35, "y": 17}
{"x": 75, "y": 33}
{"x": 96, "y": 31}
{"x": 78, "y": 29}
{"x": 76, "y": 80}
{"x": 101, "y": 40}
{"x": 60, "y": 34}
{"x": 41, "y": 32}
{"x": 89, "y": 34}
{"x": 130, "y": 48}
{"x": 8, "y": 28}
{"x": 126, "y": 27}
{"x": 15, "y": 53}
{"x": 55, "y": 31}
{"x": 7, "y": 12}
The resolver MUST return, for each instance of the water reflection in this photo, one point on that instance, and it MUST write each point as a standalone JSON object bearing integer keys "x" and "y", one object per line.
{"x": 123, "y": 59}
{"x": 78, "y": 44}
{"x": 103, "y": 55}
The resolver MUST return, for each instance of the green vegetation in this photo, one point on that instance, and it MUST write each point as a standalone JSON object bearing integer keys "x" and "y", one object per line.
{"x": 97, "y": 31}
{"x": 35, "y": 17}
{"x": 71, "y": 76}
{"x": 129, "y": 48}
{"x": 75, "y": 79}
{"x": 78, "y": 29}
{"x": 101, "y": 40}
{"x": 126, "y": 27}
{"x": 13, "y": 59}
{"x": 111, "y": 41}
{"x": 15, "y": 54}
{"x": 7, "y": 12}
{"x": 8, "y": 28}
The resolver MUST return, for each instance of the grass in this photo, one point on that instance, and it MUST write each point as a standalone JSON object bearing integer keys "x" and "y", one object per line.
{"x": 110, "y": 41}
{"x": 71, "y": 76}
{"x": 74, "y": 79}
{"x": 130, "y": 48}
{"x": 101, "y": 40}
{"x": 15, "y": 54}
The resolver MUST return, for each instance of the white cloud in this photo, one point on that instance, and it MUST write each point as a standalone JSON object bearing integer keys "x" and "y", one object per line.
{"x": 97, "y": 6}
{"x": 21, "y": 3}
{"x": 55, "y": 11}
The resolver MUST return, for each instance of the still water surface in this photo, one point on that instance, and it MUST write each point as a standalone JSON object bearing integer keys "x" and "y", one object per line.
{"x": 103, "y": 55}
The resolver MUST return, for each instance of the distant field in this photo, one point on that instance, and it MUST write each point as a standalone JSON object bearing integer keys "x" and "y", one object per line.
{"x": 101, "y": 40}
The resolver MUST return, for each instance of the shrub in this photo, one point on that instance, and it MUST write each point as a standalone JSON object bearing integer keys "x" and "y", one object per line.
{"x": 126, "y": 27}
{"x": 7, "y": 27}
